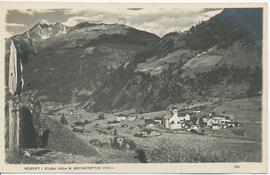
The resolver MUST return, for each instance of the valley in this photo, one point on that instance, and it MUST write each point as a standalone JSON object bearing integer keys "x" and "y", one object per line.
{"x": 110, "y": 93}
{"x": 223, "y": 145}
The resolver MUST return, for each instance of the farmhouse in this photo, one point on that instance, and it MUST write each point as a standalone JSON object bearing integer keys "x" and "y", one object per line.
{"x": 114, "y": 122}
{"x": 124, "y": 126}
{"x": 219, "y": 119}
{"x": 120, "y": 117}
{"x": 155, "y": 133}
{"x": 193, "y": 128}
{"x": 196, "y": 111}
{"x": 218, "y": 122}
{"x": 147, "y": 133}
{"x": 78, "y": 129}
{"x": 148, "y": 121}
{"x": 158, "y": 120}
{"x": 210, "y": 122}
{"x": 143, "y": 134}
{"x": 215, "y": 127}
{"x": 132, "y": 117}
{"x": 187, "y": 117}
{"x": 205, "y": 119}
{"x": 181, "y": 118}
{"x": 166, "y": 121}
{"x": 149, "y": 125}
{"x": 232, "y": 124}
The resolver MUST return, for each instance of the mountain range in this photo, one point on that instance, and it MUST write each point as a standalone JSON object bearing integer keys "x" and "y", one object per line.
{"x": 114, "y": 67}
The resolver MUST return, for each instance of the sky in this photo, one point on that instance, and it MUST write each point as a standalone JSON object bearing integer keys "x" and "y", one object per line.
{"x": 159, "y": 21}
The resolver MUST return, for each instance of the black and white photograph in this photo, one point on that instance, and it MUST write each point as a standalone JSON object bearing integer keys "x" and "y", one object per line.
{"x": 135, "y": 84}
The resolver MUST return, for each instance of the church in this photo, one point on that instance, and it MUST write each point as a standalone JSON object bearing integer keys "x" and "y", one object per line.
{"x": 172, "y": 121}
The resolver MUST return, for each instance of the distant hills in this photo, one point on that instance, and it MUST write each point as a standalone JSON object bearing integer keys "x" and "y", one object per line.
{"x": 112, "y": 67}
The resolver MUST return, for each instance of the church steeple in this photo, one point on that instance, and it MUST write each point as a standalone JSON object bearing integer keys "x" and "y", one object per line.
{"x": 174, "y": 111}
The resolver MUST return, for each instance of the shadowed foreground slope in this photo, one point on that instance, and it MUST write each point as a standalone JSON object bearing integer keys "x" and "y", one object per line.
{"x": 62, "y": 139}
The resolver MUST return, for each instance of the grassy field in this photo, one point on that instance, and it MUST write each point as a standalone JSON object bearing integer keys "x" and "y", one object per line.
{"x": 241, "y": 144}
{"x": 202, "y": 61}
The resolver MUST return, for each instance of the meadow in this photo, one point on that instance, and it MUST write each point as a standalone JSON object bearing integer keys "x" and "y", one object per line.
{"x": 241, "y": 144}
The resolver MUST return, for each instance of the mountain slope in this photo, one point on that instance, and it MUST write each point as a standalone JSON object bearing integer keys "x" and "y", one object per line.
{"x": 67, "y": 64}
{"x": 218, "y": 58}
{"x": 221, "y": 30}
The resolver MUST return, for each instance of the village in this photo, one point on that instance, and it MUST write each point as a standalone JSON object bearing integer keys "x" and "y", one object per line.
{"x": 176, "y": 122}
{"x": 171, "y": 121}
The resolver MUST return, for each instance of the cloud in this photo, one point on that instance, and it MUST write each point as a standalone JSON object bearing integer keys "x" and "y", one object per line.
{"x": 74, "y": 11}
{"x": 35, "y": 11}
{"x": 159, "y": 21}
{"x": 14, "y": 25}
{"x": 132, "y": 11}
{"x": 77, "y": 19}
{"x": 154, "y": 19}
{"x": 25, "y": 11}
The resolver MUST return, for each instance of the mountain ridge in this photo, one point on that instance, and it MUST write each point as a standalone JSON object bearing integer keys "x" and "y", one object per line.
{"x": 137, "y": 69}
{"x": 224, "y": 66}
{"x": 81, "y": 58}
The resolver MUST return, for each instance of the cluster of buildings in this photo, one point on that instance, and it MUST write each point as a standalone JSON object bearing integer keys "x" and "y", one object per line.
{"x": 147, "y": 133}
{"x": 221, "y": 122}
{"x": 123, "y": 117}
{"x": 193, "y": 121}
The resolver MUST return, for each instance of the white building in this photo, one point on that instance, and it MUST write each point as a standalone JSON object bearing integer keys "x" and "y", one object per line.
{"x": 172, "y": 122}
{"x": 150, "y": 125}
{"x": 187, "y": 117}
{"x": 174, "y": 118}
{"x": 182, "y": 118}
{"x": 196, "y": 112}
{"x": 120, "y": 118}
{"x": 132, "y": 117}
{"x": 175, "y": 126}
{"x": 211, "y": 121}
{"x": 215, "y": 127}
